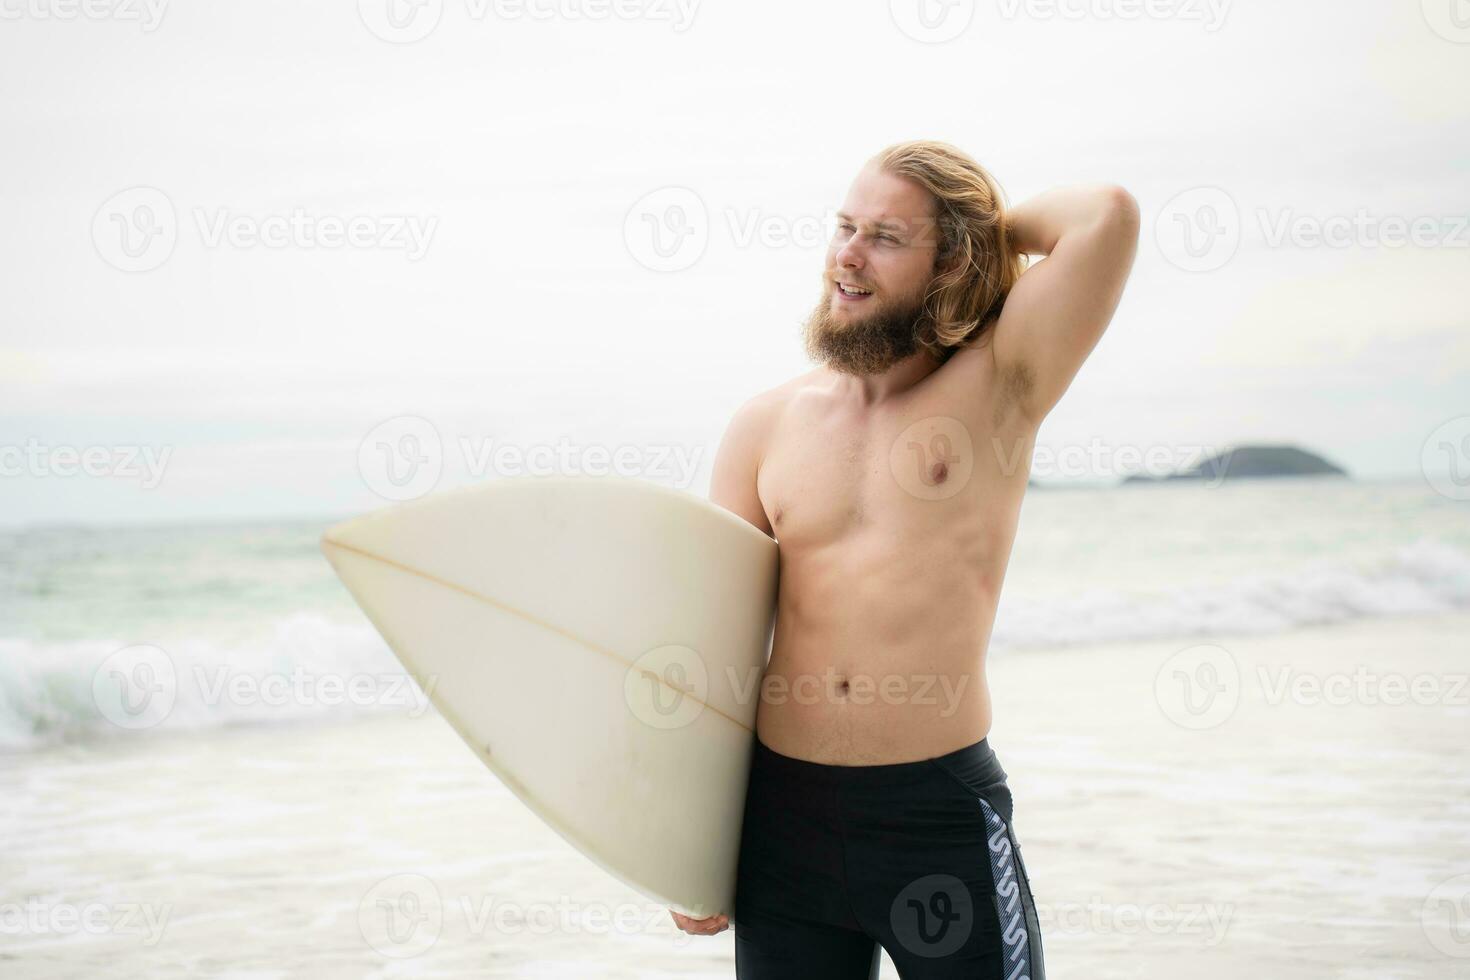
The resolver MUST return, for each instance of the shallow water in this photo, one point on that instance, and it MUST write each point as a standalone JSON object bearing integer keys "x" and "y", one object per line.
{"x": 1289, "y": 839}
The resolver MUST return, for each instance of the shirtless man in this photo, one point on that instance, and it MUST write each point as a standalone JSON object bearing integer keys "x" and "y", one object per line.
{"x": 892, "y": 477}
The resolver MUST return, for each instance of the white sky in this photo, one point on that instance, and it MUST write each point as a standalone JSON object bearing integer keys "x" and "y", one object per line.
{"x": 528, "y": 140}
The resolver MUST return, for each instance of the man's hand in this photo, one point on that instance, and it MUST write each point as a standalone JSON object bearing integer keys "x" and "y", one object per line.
{"x": 701, "y": 927}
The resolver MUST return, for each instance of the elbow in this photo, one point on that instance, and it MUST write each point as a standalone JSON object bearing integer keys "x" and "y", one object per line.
{"x": 1119, "y": 206}
{"x": 1118, "y": 216}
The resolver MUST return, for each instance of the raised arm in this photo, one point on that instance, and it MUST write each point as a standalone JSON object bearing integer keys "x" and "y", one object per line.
{"x": 1057, "y": 311}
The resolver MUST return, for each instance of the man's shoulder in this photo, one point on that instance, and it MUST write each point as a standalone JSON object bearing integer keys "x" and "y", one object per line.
{"x": 765, "y": 407}
{"x": 754, "y": 423}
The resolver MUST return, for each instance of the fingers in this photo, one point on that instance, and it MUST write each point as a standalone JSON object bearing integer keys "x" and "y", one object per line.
{"x": 701, "y": 927}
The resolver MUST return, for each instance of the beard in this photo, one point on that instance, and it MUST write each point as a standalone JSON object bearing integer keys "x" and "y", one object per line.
{"x": 863, "y": 341}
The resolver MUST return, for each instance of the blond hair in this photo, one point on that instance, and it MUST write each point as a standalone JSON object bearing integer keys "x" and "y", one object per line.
{"x": 980, "y": 266}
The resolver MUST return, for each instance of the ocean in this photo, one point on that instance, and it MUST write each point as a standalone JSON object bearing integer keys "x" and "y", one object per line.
{"x": 257, "y": 630}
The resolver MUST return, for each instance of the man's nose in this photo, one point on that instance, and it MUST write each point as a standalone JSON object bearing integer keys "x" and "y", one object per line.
{"x": 850, "y": 255}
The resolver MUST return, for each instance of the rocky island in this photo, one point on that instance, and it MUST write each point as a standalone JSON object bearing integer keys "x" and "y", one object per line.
{"x": 1252, "y": 462}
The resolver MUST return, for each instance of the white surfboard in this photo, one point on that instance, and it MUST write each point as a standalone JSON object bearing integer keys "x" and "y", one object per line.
{"x": 599, "y": 644}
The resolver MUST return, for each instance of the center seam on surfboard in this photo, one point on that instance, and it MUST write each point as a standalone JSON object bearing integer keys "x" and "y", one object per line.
{"x": 505, "y": 607}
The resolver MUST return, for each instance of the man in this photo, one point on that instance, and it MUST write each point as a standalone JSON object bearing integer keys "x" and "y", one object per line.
{"x": 892, "y": 477}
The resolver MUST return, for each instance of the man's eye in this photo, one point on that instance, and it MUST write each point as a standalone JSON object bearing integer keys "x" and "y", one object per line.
{"x": 888, "y": 238}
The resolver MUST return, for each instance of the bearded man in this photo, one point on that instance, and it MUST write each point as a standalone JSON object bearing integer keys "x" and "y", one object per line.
{"x": 892, "y": 475}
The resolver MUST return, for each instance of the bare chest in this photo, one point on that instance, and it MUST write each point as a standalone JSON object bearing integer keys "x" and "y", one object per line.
{"x": 826, "y": 476}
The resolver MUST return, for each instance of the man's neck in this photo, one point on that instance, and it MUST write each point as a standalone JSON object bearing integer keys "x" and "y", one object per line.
{"x": 867, "y": 390}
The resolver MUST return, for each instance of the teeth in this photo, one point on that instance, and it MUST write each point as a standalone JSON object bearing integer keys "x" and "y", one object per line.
{"x": 853, "y": 290}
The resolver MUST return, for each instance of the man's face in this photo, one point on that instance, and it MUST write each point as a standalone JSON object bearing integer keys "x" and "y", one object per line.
{"x": 884, "y": 249}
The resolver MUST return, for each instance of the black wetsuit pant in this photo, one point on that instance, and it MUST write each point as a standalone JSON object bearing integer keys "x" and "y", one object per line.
{"x": 919, "y": 857}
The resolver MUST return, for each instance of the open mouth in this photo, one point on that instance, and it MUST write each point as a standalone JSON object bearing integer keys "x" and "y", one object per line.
{"x": 853, "y": 292}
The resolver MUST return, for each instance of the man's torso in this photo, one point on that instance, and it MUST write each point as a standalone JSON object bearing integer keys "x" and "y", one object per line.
{"x": 895, "y": 525}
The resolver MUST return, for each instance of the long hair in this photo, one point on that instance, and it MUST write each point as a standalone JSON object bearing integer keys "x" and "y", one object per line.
{"x": 980, "y": 266}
